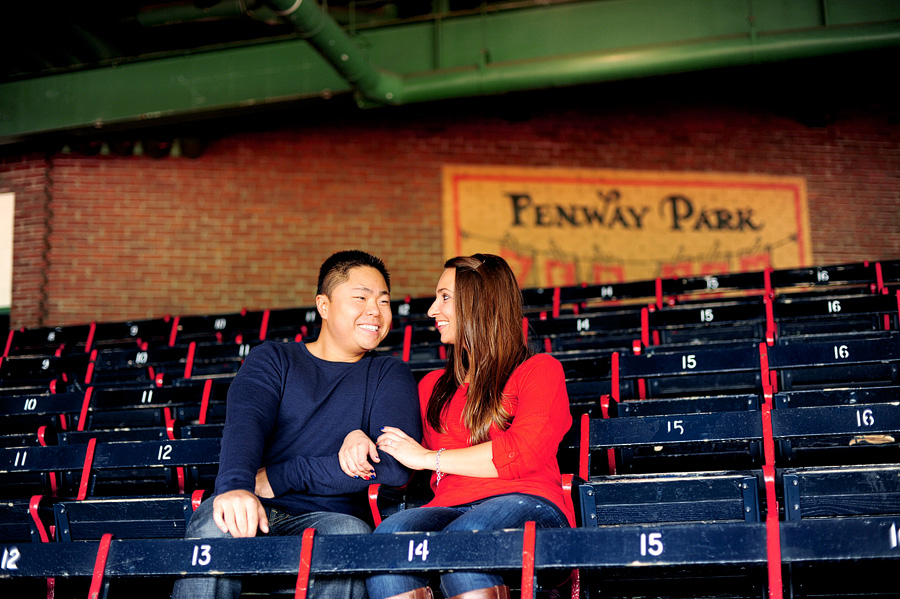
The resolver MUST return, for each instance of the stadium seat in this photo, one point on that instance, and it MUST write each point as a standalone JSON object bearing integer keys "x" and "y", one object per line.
{"x": 678, "y": 372}
{"x": 865, "y": 359}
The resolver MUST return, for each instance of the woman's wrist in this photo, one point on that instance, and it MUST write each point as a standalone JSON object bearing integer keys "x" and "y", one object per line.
{"x": 429, "y": 462}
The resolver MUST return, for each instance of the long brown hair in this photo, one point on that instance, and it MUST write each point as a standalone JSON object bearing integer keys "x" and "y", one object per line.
{"x": 489, "y": 346}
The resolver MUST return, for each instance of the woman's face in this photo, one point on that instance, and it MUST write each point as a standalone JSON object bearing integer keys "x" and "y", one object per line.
{"x": 442, "y": 310}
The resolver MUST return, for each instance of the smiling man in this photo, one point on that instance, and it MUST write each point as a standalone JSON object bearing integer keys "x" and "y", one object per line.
{"x": 290, "y": 409}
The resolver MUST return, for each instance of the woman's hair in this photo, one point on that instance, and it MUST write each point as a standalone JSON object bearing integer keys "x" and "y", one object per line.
{"x": 489, "y": 346}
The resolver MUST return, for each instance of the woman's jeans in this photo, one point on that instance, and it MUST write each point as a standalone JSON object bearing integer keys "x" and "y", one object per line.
{"x": 495, "y": 513}
{"x": 202, "y": 526}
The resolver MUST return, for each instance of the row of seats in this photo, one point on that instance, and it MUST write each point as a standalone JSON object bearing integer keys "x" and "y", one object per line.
{"x": 719, "y": 467}
{"x": 872, "y": 278}
{"x": 722, "y": 323}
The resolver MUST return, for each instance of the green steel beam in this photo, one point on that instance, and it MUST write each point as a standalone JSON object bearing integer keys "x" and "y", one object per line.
{"x": 491, "y": 52}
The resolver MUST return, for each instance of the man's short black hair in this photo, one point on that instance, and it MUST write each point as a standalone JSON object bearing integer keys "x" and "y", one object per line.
{"x": 336, "y": 269}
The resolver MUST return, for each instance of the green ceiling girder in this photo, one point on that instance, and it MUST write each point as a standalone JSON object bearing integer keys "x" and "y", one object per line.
{"x": 448, "y": 57}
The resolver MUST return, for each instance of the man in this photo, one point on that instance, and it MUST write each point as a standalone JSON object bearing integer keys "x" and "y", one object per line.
{"x": 290, "y": 408}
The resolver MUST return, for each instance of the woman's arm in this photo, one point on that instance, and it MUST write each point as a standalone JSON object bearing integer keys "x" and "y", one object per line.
{"x": 476, "y": 461}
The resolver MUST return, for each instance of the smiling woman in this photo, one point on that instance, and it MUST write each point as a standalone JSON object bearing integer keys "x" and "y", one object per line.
{"x": 493, "y": 420}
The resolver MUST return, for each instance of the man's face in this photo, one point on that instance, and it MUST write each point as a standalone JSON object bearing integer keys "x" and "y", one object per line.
{"x": 357, "y": 315}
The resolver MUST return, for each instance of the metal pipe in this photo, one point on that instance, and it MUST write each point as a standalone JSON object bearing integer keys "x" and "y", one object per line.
{"x": 380, "y": 87}
{"x": 334, "y": 45}
{"x": 643, "y": 62}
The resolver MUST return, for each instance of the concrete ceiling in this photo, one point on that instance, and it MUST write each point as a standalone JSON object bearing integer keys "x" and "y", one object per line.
{"x": 73, "y": 68}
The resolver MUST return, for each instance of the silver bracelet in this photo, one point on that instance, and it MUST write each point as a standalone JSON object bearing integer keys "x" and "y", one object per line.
{"x": 437, "y": 466}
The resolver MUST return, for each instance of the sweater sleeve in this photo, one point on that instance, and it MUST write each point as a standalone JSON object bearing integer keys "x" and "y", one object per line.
{"x": 394, "y": 403}
{"x": 252, "y": 404}
{"x": 542, "y": 419}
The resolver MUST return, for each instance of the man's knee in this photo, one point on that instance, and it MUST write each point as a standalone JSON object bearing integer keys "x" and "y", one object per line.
{"x": 341, "y": 524}
{"x": 203, "y": 525}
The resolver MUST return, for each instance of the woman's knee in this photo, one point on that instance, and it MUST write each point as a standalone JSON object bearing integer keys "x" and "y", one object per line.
{"x": 420, "y": 519}
{"x": 510, "y": 511}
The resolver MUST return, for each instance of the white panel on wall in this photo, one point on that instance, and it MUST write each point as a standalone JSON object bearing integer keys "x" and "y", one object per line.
{"x": 7, "y": 218}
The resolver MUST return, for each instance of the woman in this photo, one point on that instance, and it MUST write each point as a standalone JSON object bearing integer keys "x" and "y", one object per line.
{"x": 493, "y": 420}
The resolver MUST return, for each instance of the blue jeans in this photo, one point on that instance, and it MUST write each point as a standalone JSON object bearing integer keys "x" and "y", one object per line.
{"x": 202, "y": 526}
{"x": 494, "y": 513}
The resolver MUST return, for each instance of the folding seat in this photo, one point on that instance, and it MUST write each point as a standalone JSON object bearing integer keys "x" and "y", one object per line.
{"x": 134, "y": 507}
{"x": 586, "y": 296}
{"x": 841, "y": 491}
{"x": 136, "y": 367}
{"x": 420, "y": 368}
{"x": 726, "y": 321}
{"x": 290, "y": 324}
{"x": 594, "y": 330}
{"x": 386, "y": 500}
{"x": 826, "y": 505}
{"x": 678, "y": 372}
{"x": 140, "y": 334}
{"x": 841, "y": 433}
{"x": 588, "y": 376}
{"x": 21, "y": 520}
{"x": 45, "y": 373}
{"x": 890, "y": 270}
{"x": 840, "y": 396}
{"x": 19, "y": 439}
{"x": 674, "y": 442}
{"x": 142, "y": 563}
{"x": 235, "y": 327}
{"x": 669, "y": 498}
{"x": 212, "y": 430}
{"x": 809, "y": 362}
{"x": 828, "y": 315}
{"x": 708, "y": 500}
{"x": 26, "y": 413}
{"x": 150, "y": 517}
{"x": 840, "y": 278}
{"x": 138, "y": 433}
{"x": 413, "y": 342}
{"x": 44, "y": 341}
{"x": 209, "y": 360}
{"x": 411, "y": 310}
{"x": 655, "y": 507}
{"x": 713, "y": 286}
{"x": 110, "y": 408}
{"x": 110, "y": 469}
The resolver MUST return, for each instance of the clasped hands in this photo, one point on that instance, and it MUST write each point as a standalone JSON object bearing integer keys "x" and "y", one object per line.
{"x": 358, "y": 449}
{"x": 241, "y": 513}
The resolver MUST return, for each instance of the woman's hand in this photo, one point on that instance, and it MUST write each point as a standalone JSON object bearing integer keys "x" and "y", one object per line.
{"x": 403, "y": 448}
{"x": 355, "y": 453}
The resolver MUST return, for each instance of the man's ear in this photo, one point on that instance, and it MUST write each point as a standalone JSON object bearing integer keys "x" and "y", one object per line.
{"x": 322, "y": 303}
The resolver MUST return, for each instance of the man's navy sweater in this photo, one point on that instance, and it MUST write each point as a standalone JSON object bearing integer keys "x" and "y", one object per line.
{"x": 290, "y": 411}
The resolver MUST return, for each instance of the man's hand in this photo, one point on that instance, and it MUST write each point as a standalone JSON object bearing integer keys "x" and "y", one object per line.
{"x": 240, "y": 513}
{"x": 263, "y": 488}
{"x": 354, "y": 454}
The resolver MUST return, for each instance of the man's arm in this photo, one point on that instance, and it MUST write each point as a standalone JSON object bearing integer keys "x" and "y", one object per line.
{"x": 395, "y": 403}
{"x": 252, "y": 404}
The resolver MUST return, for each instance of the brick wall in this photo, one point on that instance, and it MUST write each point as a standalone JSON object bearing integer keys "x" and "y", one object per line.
{"x": 248, "y": 222}
{"x": 30, "y": 177}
